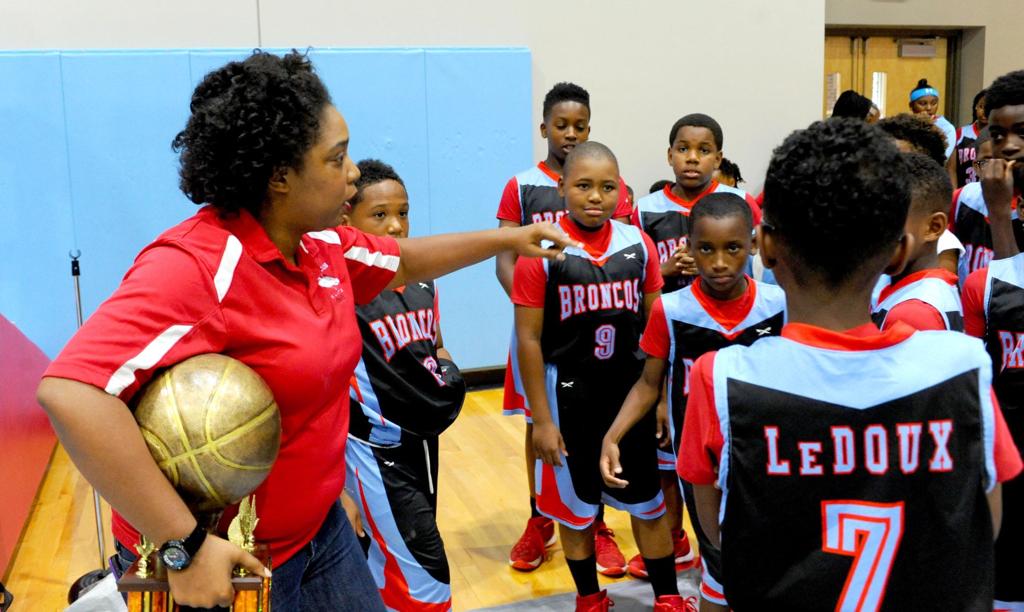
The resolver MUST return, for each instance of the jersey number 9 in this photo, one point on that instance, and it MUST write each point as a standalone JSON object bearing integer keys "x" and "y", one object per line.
{"x": 604, "y": 342}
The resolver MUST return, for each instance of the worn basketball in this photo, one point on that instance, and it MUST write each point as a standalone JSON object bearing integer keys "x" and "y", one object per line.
{"x": 213, "y": 427}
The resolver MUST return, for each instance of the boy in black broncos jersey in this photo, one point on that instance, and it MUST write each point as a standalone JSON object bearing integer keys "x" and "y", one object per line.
{"x": 840, "y": 466}
{"x": 994, "y": 311}
{"x": 578, "y": 322}
{"x": 721, "y": 308}
{"x": 404, "y": 393}
{"x": 529, "y": 197}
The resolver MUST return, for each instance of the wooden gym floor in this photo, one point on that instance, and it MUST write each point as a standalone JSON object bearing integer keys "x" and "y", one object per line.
{"x": 482, "y": 509}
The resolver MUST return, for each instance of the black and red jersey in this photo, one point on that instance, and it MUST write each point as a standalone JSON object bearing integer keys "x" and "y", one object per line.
{"x": 854, "y": 461}
{"x": 969, "y": 222}
{"x": 687, "y": 323}
{"x": 400, "y": 383}
{"x": 665, "y": 217}
{"x": 593, "y": 299}
{"x": 965, "y": 154}
{"x": 532, "y": 197}
{"x": 1003, "y": 303}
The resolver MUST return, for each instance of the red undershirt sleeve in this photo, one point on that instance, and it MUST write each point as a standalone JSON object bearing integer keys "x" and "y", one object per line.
{"x": 915, "y": 313}
{"x": 529, "y": 282}
{"x": 509, "y": 208}
{"x": 973, "y": 300}
{"x": 655, "y": 341}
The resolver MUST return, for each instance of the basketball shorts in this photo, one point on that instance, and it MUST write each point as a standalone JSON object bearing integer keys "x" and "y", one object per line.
{"x": 514, "y": 401}
{"x": 710, "y": 556}
{"x": 1009, "y": 547}
{"x": 583, "y": 407}
{"x": 395, "y": 489}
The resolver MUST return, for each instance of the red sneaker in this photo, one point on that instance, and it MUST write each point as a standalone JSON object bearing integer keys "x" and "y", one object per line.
{"x": 610, "y": 561}
{"x": 675, "y": 603}
{"x": 636, "y": 567}
{"x": 598, "y": 602}
{"x": 528, "y": 552}
{"x": 685, "y": 559}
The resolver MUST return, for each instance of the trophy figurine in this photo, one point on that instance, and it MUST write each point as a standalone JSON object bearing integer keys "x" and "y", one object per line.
{"x": 213, "y": 428}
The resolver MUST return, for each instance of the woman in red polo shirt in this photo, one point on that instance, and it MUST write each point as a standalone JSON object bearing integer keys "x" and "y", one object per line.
{"x": 263, "y": 274}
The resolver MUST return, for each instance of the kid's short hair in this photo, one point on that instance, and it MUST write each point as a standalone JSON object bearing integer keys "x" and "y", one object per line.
{"x": 697, "y": 120}
{"x": 373, "y": 171}
{"x": 1007, "y": 90}
{"x": 719, "y": 206}
{"x": 565, "y": 92}
{"x": 919, "y": 131}
{"x": 930, "y": 188}
{"x": 836, "y": 194}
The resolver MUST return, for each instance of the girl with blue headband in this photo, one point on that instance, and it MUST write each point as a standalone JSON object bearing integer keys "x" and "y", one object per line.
{"x": 924, "y": 100}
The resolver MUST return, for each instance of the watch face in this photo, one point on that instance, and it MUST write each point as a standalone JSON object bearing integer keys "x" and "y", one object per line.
{"x": 175, "y": 558}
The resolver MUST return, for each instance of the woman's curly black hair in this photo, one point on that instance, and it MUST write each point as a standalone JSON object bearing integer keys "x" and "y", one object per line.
{"x": 836, "y": 193}
{"x": 250, "y": 119}
{"x": 919, "y": 132}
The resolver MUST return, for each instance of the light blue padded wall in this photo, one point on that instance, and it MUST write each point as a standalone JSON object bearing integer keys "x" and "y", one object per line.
{"x": 87, "y": 164}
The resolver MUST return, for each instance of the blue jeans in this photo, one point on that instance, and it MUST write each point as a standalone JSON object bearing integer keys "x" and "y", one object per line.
{"x": 328, "y": 573}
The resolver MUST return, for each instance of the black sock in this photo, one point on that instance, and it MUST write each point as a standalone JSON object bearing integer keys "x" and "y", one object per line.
{"x": 662, "y": 574}
{"x": 584, "y": 574}
{"x": 600, "y": 514}
{"x": 533, "y": 508}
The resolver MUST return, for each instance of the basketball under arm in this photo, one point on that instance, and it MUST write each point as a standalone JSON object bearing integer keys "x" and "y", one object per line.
{"x": 105, "y": 444}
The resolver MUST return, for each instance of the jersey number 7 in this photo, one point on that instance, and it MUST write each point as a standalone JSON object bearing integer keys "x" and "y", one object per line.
{"x": 870, "y": 533}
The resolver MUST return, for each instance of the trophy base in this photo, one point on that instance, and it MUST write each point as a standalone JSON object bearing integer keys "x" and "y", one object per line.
{"x": 152, "y": 593}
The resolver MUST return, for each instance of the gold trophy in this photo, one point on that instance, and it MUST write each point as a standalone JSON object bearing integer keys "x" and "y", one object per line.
{"x": 213, "y": 428}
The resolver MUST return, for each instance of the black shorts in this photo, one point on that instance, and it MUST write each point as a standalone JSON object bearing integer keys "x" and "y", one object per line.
{"x": 583, "y": 405}
{"x": 395, "y": 489}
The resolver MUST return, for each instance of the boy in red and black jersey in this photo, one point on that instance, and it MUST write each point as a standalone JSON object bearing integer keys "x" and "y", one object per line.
{"x": 836, "y": 445}
{"x": 923, "y": 295}
{"x": 722, "y": 307}
{"x": 969, "y": 217}
{"x": 529, "y": 197}
{"x": 405, "y": 391}
{"x": 694, "y": 154}
{"x": 960, "y": 165}
{"x": 578, "y": 323}
{"x": 994, "y": 311}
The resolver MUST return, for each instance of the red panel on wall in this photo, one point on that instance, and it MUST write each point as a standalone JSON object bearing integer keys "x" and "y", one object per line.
{"x": 26, "y": 438}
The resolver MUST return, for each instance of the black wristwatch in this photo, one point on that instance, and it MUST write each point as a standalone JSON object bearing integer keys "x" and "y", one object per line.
{"x": 178, "y": 554}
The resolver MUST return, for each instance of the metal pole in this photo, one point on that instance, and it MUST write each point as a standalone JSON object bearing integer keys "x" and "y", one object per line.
{"x": 76, "y": 271}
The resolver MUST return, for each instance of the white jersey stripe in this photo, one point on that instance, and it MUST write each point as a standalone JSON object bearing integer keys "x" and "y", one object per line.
{"x": 226, "y": 269}
{"x": 374, "y": 259}
{"x": 328, "y": 236}
{"x": 147, "y": 358}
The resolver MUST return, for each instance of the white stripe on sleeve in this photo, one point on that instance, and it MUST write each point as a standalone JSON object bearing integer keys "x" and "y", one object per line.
{"x": 374, "y": 259}
{"x": 226, "y": 269}
{"x": 147, "y": 358}
{"x": 328, "y": 236}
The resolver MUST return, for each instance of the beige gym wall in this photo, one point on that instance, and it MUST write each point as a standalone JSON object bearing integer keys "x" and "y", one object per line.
{"x": 993, "y": 42}
{"x": 755, "y": 66}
